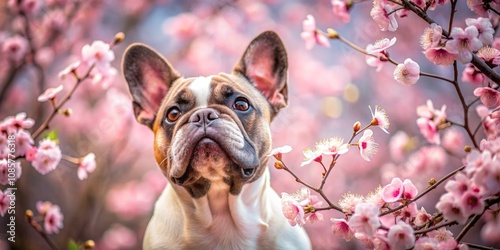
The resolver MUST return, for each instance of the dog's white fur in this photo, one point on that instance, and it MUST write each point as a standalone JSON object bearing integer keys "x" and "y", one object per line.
{"x": 219, "y": 220}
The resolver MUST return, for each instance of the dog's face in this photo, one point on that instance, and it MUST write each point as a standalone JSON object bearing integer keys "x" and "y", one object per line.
{"x": 213, "y": 128}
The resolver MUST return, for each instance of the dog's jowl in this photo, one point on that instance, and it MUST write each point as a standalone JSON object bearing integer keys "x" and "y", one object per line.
{"x": 211, "y": 140}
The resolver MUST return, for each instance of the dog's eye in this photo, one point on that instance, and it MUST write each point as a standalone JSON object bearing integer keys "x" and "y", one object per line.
{"x": 173, "y": 114}
{"x": 241, "y": 104}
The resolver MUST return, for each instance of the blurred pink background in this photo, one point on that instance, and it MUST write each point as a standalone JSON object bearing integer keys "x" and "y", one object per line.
{"x": 330, "y": 89}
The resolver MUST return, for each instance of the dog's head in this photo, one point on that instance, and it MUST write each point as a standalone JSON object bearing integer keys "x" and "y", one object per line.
{"x": 213, "y": 128}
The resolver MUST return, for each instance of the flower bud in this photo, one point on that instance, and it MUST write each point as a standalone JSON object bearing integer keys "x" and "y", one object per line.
{"x": 356, "y": 127}
{"x": 467, "y": 149}
{"x": 279, "y": 165}
{"x": 66, "y": 112}
{"x": 118, "y": 38}
{"x": 432, "y": 181}
{"x": 29, "y": 214}
{"x": 89, "y": 244}
{"x": 332, "y": 34}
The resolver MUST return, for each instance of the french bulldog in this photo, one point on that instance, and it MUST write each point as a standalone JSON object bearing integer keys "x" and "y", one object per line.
{"x": 211, "y": 141}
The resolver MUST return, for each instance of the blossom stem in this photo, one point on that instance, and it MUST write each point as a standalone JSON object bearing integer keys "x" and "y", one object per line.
{"x": 427, "y": 190}
{"x": 476, "y": 217}
{"x": 45, "y": 124}
{"x": 464, "y": 104}
{"x": 452, "y": 14}
{"x": 476, "y": 246}
{"x": 436, "y": 76}
{"x": 39, "y": 229}
{"x": 429, "y": 229}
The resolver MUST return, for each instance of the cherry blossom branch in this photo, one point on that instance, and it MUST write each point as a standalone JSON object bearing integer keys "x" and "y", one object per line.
{"x": 429, "y": 229}
{"x": 9, "y": 79}
{"x": 45, "y": 124}
{"x": 334, "y": 35}
{"x": 490, "y": 202}
{"x": 476, "y": 246}
{"x": 38, "y": 228}
{"x": 427, "y": 190}
{"x": 476, "y": 61}
{"x": 453, "y": 9}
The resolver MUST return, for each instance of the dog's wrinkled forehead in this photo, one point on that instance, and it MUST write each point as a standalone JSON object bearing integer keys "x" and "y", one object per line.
{"x": 204, "y": 91}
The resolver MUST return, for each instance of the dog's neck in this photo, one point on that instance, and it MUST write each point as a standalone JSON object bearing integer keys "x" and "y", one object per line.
{"x": 248, "y": 209}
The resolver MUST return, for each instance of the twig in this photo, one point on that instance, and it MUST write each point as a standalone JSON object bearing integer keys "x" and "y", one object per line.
{"x": 56, "y": 109}
{"x": 427, "y": 190}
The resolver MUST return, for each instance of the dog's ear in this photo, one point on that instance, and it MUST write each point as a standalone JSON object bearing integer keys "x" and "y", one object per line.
{"x": 265, "y": 64}
{"x": 149, "y": 76}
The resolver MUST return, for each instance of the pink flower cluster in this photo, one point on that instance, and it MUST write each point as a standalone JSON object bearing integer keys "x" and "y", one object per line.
{"x": 430, "y": 121}
{"x": 365, "y": 223}
{"x": 52, "y": 216}
{"x": 299, "y": 207}
{"x": 97, "y": 58}
{"x": 461, "y": 43}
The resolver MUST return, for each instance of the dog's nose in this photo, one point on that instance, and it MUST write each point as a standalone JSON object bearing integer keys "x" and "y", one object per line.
{"x": 203, "y": 117}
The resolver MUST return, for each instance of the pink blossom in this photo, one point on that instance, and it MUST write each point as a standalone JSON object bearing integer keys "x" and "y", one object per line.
{"x": 341, "y": 10}
{"x": 50, "y": 94}
{"x": 472, "y": 75}
{"x": 53, "y": 220}
{"x": 4, "y": 201}
{"x": 311, "y": 155}
{"x": 491, "y": 228}
{"x": 15, "y": 48}
{"x": 426, "y": 243}
{"x": 375, "y": 61}
{"x": 453, "y": 140}
{"x": 489, "y": 177}
{"x": 464, "y": 42}
{"x": 367, "y": 145}
{"x": 70, "y": 69}
{"x": 279, "y": 151}
{"x": 401, "y": 236}
{"x": 471, "y": 203}
{"x": 407, "y": 73}
{"x": 422, "y": 217}
{"x": 441, "y": 235}
{"x": 332, "y": 146}
{"x": 459, "y": 185}
{"x": 449, "y": 206}
{"x": 43, "y": 207}
{"x": 429, "y": 121}
{"x": 26, "y": 6}
{"x": 23, "y": 142}
{"x": 475, "y": 161}
{"x": 292, "y": 210}
{"x": 379, "y": 118}
{"x": 4, "y": 172}
{"x": 440, "y": 56}
{"x": 489, "y": 97}
{"x": 484, "y": 29}
{"x": 31, "y": 153}
{"x": 478, "y": 7}
{"x": 18, "y": 122}
{"x": 490, "y": 123}
{"x": 380, "y": 46}
{"x": 87, "y": 165}
{"x": 365, "y": 219}
{"x": 47, "y": 157}
{"x": 380, "y": 14}
{"x": 341, "y": 229}
{"x": 490, "y": 55}
{"x": 398, "y": 189}
{"x": 311, "y": 35}
{"x": 349, "y": 201}
{"x": 431, "y": 37}
{"x": 408, "y": 212}
{"x": 118, "y": 237}
{"x": 399, "y": 144}
{"x": 100, "y": 54}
